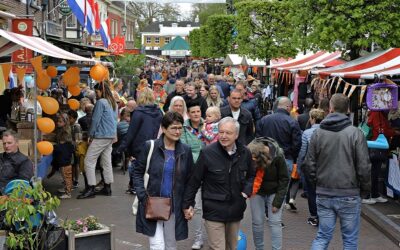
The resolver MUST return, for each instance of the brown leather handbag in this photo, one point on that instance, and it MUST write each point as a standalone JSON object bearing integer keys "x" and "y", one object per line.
{"x": 158, "y": 208}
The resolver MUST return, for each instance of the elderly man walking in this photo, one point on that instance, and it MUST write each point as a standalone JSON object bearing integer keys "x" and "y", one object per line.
{"x": 225, "y": 173}
{"x": 337, "y": 164}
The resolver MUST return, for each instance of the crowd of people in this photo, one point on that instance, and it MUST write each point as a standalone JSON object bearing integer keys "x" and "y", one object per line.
{"x": 202, "y": 141}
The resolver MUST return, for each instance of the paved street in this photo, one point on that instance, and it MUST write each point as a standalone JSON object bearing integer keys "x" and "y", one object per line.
{"x": 117, "y": 210}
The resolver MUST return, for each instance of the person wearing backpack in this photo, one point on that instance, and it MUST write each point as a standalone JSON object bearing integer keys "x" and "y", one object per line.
{"x": 269, "y": 189}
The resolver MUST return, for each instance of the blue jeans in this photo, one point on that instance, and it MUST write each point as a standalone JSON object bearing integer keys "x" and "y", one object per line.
{"x": 257, "y": 205}
{"x": 348, "y": 210}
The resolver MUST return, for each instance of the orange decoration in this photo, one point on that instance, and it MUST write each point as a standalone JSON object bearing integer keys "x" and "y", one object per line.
{"x": 98, "y": 72}
{"x": 73, "y": 104}
{"x": 6, "y": 67}
{"x": 20, "y": 75}
{"x": 37, "y": 63}
{"x": 39, "y": 98}
{"x": 46, "y": 125}
{"x": 45, "y": 147}
{"x": 51, "y": 71}
{"x": 43, "y": 81}
{"x": 71, "y": 76}
{"x": 294, "y": 175}
{"x": 74, "y": 90}
{"x": 49, "y": 105}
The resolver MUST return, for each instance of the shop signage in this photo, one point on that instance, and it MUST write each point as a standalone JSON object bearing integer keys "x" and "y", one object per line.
{"x": 64, "y": 9}
{"x": 53, "y": 29}
{"x": 22, "y": 26}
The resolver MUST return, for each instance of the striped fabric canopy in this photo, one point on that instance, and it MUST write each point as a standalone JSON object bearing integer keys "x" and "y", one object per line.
{"x": 378, "y": 63}
{"x": 308, "y": 61}
{"x": 10, "y": 42}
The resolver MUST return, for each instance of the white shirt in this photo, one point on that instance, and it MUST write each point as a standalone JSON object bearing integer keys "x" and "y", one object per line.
{"x": 235, "y": 114}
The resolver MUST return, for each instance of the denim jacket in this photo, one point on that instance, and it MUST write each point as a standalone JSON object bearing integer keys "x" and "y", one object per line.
{"x": 104, "y": 121}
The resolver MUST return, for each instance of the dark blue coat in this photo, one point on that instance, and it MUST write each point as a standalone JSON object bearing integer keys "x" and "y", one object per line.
{"x": 145, "y": 124}
{"x": 283, "y": 129}
{"x": 182, "y": 172}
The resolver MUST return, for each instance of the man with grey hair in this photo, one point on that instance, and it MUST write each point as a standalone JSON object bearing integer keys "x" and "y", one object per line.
{"x": 14, "y": 164}
{"x": 225, "y": 173}
{"x": 338, "y": 166}
{"x": 285, "y": 130}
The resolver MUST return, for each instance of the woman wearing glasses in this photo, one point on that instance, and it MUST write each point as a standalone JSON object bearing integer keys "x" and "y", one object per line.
{"x": 171, "y": 164}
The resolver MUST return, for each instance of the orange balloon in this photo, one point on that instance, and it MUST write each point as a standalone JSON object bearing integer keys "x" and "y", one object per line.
{"x": 71, "y": 76}
{"x": 98, "y": 72}
{"x": 49, "y": 105}
{"x": 39, "y": 98}
{"x": 52, "y": 71}
{"x": 46, "y": 125}
{"x": 74, "y": 90}
{"x": 73, "y": 104}
{"x": 43, "y": 81}
{"x": 45, "y": 147}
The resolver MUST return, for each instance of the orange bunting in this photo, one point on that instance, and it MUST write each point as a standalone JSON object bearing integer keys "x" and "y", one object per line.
{"x": 6, "y": 67}
{"x": 20, "y": 75}
{"x": 37, "y": 63}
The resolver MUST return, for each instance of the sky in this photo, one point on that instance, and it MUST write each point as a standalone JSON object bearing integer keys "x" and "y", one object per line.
{"x": 185, "y": 9}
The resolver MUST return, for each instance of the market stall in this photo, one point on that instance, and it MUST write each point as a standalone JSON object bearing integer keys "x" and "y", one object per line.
{"x": 10, "y": 42}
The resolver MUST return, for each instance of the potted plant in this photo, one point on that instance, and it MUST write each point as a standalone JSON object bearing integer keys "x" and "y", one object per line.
{"x": 26, "y": 210}
{"x": 88, "y": 233}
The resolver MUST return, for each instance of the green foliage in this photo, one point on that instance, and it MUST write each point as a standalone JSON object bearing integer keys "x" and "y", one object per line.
{"x": 353, "y": 23}
{"x": 220, "y": 35}
{"x": 194, "y": 41}
{"x": 126, "y": 65}
{"x": 264, "y": 29}
{"x": 204, "y": 11}
{"x": 21, "y": 212}
{"x": 204, "y": 42}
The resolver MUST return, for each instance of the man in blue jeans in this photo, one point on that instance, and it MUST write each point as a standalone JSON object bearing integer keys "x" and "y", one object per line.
{"x": 337, "y": 164}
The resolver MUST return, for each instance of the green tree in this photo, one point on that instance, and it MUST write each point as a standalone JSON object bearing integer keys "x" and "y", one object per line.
{"x": 354, "y": 24}
{"x": 205, "y": 10}
{"x": 126, "y": 66}
{"x": 194, "y": 41}
{"x": 220, "y": 35}
{"x": 145, "y": 13}
{"x": 204, "y": 42}
{"x": 264, "y": 29}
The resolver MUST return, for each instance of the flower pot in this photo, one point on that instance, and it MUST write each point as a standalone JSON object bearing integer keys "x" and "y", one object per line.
{"x": 102, "y": 239}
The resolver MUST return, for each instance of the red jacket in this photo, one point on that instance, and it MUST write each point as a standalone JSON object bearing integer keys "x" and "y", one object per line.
{"x": 379, "y": 124}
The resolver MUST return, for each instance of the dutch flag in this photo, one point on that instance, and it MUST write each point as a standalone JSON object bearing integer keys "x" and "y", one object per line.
{"x": 105, "y": 32}
{"x": 78, "y": 8}
{"x": 91, "y": 17}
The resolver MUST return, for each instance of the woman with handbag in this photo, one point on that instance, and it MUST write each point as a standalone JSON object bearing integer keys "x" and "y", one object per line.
{"x": 169, "y": 164}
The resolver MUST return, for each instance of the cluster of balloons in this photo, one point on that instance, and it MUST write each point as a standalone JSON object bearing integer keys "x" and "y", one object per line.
{"x": 50, "y": 106}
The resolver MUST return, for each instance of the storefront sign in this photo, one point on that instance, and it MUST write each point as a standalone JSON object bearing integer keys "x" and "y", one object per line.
{"x": 22, "y": 26}
{"x": 117, "y": 45}
{"x": 64, "y": 9}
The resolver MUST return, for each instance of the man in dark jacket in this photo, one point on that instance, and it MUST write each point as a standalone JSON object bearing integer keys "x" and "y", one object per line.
{"x": 144, "y": 125}
{"x": 303, "y": 118}
{"x": 281, "y": 127}
{"x": 337, "y": 164}
{"x": 179, "y": 90}
{"x": 243, "y": 116}
{"x": 225, "y": 173}
{"x": 193, "y": 96}
{"x": 14, "y": 164}
{"x": 250, "y": 104}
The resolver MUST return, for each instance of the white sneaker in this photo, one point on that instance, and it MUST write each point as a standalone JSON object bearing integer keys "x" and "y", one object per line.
{"x": 380, "y": 199}
{"x": 287, "y": 206}
{"x": 61, "y": 190}
{"x": 65, "y": 196}
{"x": 197, "y": 245}
{"x": 369, "y": 201}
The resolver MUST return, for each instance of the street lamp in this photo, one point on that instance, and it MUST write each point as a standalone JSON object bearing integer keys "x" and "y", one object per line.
{"x": 124, "y": 28}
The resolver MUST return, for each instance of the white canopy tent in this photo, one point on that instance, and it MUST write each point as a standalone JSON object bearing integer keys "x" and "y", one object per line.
{"x": 233, "y": 60}
{"x": 253, "y": 62}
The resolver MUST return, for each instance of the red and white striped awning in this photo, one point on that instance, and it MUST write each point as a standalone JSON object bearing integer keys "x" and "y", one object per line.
{"x": 10, "y": 42}
{"x": 378, "y": 63}
{"x": 309, "y": 61}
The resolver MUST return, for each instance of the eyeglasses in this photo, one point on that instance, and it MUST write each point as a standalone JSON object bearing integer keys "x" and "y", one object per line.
{"x": 175, "y": 128}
